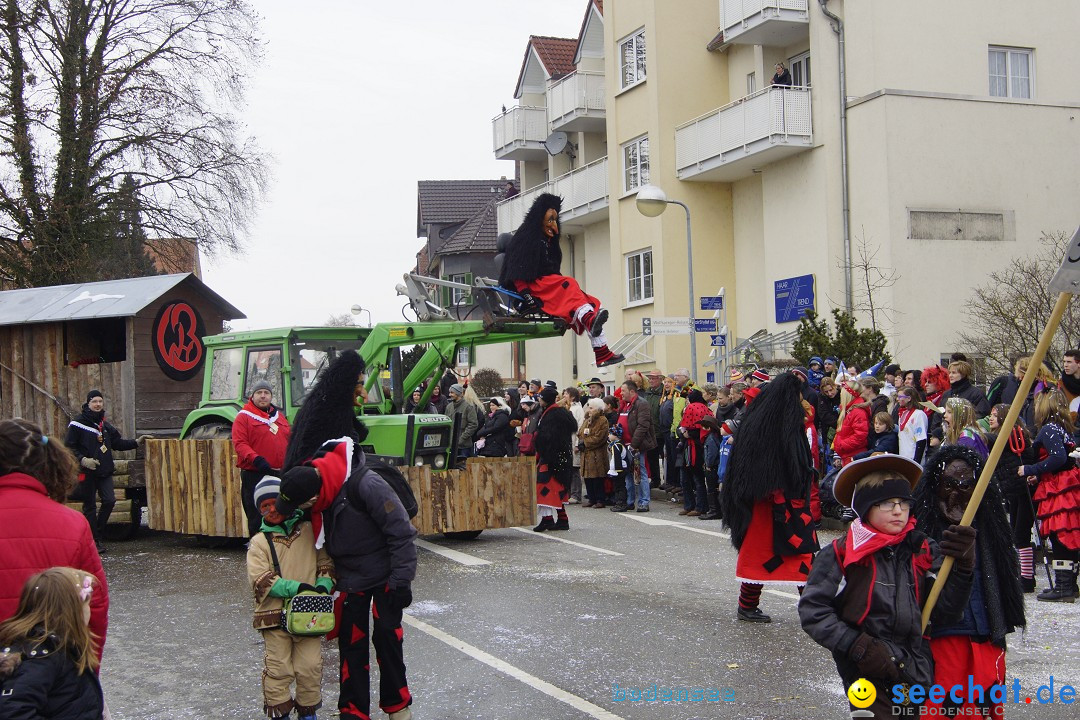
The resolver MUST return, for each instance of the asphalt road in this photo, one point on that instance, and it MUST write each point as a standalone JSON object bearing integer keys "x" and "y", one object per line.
{"x": 523, "y": 625}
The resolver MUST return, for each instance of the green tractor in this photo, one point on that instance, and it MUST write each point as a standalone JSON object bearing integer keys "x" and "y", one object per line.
{"x": 291, "y": 358}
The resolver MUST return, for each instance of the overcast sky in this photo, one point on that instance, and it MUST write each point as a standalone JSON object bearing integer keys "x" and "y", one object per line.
{"x": 357, "y": 101}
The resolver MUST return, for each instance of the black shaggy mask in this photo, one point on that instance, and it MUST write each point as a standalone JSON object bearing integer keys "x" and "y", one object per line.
{"x": 329, "y": 410}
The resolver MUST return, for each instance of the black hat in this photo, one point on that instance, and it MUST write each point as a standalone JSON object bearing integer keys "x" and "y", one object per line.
{"x": 549, "y": 395}
{"x": 93, "y": 394}
{"x": 893, "y": 369}
{"x": 298, "y": 485}
{"x": 903, "y": 475}
{"x": 537, "y": 383}
{"x": 551, "y": 384}
{"x": 595, "y": 381}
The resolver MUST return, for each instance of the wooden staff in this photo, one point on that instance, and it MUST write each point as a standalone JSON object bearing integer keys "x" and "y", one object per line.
{"x": 1007, "y": 424}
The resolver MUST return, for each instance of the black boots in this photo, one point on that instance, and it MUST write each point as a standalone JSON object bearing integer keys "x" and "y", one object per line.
{"x": 546, "y": 523}
{"x": 713, "y": 513}
{"x": 754, "y": 616}
{"x": 1065, "y": 588}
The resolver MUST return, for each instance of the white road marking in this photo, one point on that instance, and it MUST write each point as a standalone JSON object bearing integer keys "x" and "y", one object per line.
{"x": 549, "y": 536}
{"x": 781, "y": 593}
{"x": 455, "y": 555}
{"x": 673, "y": 523}
{"x": 574, "y": 701}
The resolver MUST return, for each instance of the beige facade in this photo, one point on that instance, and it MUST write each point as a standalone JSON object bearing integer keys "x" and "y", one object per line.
{"x": 947, "y": 179}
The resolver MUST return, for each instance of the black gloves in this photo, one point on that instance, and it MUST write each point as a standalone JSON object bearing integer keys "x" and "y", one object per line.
{"x": 261, "y": 465}
{"x": 874, "y": 658}
{"x": 304, "y": 587}
{"x": 529, "y": 304}
{"x": 958, "y": 541}
{"x": 402, "y": 596}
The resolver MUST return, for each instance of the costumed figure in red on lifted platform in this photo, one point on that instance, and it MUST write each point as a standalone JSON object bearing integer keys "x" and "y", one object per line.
{"x": 532, "y": 268}
{"x": 765, "y": 498}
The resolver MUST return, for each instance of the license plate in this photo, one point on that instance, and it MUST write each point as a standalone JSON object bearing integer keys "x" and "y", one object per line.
{"x": 432, "y": 441}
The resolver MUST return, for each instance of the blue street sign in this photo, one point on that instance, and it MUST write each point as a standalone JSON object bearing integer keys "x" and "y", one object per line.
{"x": 719, "y": 340}
{"x": 793, "y": 296}
{"x": 710, "y": 377}
{"x": 712, "y": 302}
{"x": 705, "y": 325}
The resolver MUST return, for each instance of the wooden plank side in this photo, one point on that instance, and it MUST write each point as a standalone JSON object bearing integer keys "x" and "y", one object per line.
{"x": 488, "y": 493}
{"x": 193, "y": 487}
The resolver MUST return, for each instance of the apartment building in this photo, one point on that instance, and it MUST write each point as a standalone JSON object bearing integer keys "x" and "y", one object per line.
{"x": 954, "y": 149}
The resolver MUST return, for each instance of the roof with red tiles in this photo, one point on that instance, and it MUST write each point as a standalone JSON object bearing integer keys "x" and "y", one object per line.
{"x": 555, "y": 54}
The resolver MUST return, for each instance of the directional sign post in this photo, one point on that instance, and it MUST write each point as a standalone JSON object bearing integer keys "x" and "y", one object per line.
{"x": 665, "y": 326}
{"x": 712, "y": 302}
{"x": 719, "y": 340}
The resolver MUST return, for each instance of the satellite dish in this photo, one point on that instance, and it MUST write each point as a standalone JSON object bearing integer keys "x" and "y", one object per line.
{"x": 556, "y": 142}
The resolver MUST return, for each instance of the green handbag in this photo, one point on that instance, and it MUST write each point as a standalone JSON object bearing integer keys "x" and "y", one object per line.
{"x": 307, "y": 612}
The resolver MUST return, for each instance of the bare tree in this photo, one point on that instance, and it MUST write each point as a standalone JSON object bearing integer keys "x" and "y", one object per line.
{"x": 92, "y": 91}
{"x": 342, "y": 320}
{"x": 1007, "y": 315}
{"x": 867, "y": 279}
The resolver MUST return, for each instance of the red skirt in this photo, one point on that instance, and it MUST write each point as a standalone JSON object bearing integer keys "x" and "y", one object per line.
{"x": 955, "y": 658}
{"x": 1058, "y": 509}
{"x": 552, "y": 489}
{"x": 758, "y": 561}
{"x": 561, "y": 296}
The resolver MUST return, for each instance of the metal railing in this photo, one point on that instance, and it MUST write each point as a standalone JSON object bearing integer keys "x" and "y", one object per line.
{"x": 581, "y": 190}
{"x": 775, "y": 111}
{"x": 581, "y": 91}
{"x": 518, "y": 125}
{"x": 734, "y": 12}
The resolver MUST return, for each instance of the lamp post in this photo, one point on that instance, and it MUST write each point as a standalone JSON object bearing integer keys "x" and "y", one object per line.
{"x": 356, "y": 310}
{"x": 651, "y": 202}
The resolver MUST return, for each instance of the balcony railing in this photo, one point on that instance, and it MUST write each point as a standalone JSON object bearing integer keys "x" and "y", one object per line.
{"x": 576, "y": 102}
{"x": 519, "y": 133}
{"x": 730, "y": 142}
{"x": 584, "y": 192}
{"x": 778, "y": 23}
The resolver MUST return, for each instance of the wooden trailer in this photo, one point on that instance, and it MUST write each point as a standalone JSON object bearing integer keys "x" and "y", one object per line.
{"x": 138, "y": 341}
{"x": 195, "y": 489}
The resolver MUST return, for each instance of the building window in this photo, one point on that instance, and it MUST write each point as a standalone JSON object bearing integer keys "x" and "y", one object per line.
{"x": 639, "y": 277}
{"x": 751, "y": 83}
{"x": 800, "y": 70}
{"x": 457, "y": 295}
{"x": 1011, "y": 72}
{"x": 632, "y": 59}
{"x": 636, "y": 163}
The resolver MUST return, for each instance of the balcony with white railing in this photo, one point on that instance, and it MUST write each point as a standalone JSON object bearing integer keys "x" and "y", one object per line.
{"x": 576, "y": 102}
{"x": 519, "y": 133}
{"x": 584, "y": 192}
{"x": 730, "y": 142}
{"x": 778, "y": 23}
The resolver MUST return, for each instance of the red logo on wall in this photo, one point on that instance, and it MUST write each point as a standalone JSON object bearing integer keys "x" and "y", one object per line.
{"x": 177, "y": 340}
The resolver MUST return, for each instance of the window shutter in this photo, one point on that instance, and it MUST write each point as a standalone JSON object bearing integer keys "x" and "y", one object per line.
{"x": 468, "y": 293}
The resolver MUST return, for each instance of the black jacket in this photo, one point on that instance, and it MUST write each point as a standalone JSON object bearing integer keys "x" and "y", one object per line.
{"x": 369, "y": 535}
{"x": 498, "y": 435}
{"x": 894, "y": 614}
{"x": 972, "y": 394}
{"x": 45, "y": 685}
{"x": 84, "y": 443}
{"x": 555, "y": 433}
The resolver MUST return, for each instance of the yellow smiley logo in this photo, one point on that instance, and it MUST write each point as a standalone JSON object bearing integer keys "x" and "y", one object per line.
{"x": 862, "y": 693}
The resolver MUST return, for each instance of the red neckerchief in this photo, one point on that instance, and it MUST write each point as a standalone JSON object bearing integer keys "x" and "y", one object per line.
{"x": 905, "y": 416}
{"x": 863, "y": 540}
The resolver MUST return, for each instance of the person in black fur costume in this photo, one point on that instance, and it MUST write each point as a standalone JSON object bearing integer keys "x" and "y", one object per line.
{"x": 329, "y": 410}
{"x": 765, "y": 498}
{"x": 533, "y": 267}
{"x": 976, "y": 644}
{"x": 555, "y": 432}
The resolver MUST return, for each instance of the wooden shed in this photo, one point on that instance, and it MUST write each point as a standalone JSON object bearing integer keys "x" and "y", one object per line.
{"x": 139, "y": 341}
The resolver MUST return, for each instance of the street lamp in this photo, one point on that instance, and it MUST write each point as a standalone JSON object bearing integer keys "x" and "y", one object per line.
{"x": 651, "y": 201}
{"x": 356, "y": 310}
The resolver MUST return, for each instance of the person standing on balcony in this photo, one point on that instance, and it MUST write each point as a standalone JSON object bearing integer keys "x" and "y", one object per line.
{"x": 782, "y": 76}
{"x": 532, "y": 268}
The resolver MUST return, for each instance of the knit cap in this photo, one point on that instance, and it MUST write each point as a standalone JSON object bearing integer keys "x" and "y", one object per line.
{"x": 268, "y": 487}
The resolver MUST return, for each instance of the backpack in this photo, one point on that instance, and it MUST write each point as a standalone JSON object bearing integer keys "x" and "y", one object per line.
{"x": 393, "y": 478}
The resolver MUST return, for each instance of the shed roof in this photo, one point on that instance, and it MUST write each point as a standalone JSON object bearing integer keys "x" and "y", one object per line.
{"x": 108, "y": 298}
{"x": 452, "y": 201}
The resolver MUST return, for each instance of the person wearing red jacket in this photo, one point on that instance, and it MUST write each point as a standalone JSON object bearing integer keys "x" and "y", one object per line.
{"x": 36, "y": 474}
{"x": 260, "y": 434}
{"x": 854, "y": 430}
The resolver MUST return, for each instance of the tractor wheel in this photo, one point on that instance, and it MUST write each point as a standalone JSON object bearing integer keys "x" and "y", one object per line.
{"x": 211, "y": 431}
